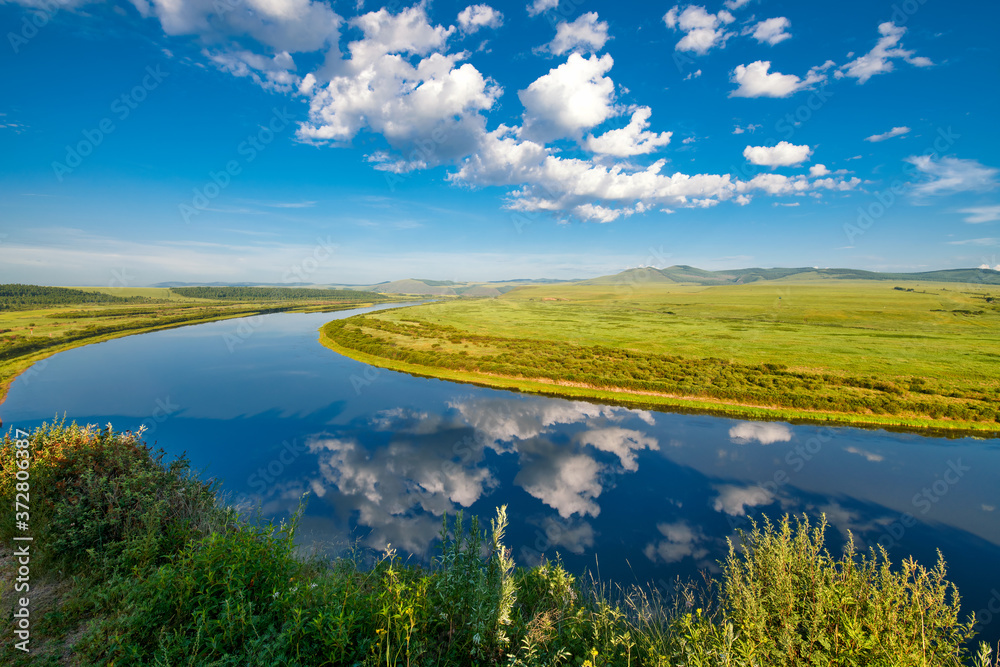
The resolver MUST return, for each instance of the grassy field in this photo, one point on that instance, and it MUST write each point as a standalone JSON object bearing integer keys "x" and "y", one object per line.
{"x": 916, "y": 355}
{"x": 30, "y": 335}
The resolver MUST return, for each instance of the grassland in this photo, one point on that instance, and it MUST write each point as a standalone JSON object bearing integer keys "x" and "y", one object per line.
{"x": 141, "y": 564}
{"x": 914, "y": 355}
{"x": 30, "y": 334}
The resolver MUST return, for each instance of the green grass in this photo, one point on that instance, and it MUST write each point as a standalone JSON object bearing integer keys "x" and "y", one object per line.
{"x": 849, "y": 351}
{"x": 143, "y": 565}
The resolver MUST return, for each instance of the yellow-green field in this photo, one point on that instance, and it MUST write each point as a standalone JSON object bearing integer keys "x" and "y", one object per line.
{"x": 923, "y": 356}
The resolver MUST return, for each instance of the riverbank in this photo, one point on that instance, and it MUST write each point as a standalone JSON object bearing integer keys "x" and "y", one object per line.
{"x": 571, "y": 351}
{"x": 139, "y": 562}
{"x": 62, "y": 329}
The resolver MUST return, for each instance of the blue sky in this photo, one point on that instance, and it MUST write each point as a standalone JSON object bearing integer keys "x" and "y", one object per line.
{"x": 351, "y": 142}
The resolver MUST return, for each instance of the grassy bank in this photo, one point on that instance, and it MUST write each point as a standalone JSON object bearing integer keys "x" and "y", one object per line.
{"x": 862, "y": 353}
{"x": 135, "y": 561}
{"x": 31, "y": 332}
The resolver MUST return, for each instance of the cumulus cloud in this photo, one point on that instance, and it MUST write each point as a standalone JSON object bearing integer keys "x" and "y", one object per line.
{"x": 734, "y": 500}
{"x": 585, "y": 34}
{"x": 755, "y": 80}
{"x": 880, "y": 59}
{"x": 818, "y": 170}
{"x": 394, "y": 489}
{"x": 284, "y": 25}
{"x": 429, "y": 113}
{"x": 783, "y": 154}
{"x": 702, "y": 30}
{"x": 733, "y": 5}
{"x": 894, "y": 132}
{"x": 680, "y": 541}
{"x": 978, "y": 214}
{"x": 948, "y": 175}
{"x": 763, "y": 432}
{"x": 567, "y": 482}
{"x": 571, "y": 98}
{"x": 474, "y": 17}
{"x": 548, "y": 182}
{"x": 539, "y": 6}
{"x": 622, "y": 442}
{"x": 633, "y": 139}
{"x": 771, "y": 31}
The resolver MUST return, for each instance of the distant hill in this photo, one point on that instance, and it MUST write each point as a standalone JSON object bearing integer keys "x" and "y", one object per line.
{"x": 693, "y": 276}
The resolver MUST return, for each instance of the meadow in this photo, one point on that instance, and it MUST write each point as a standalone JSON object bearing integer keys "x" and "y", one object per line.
{"x": 143, "y": 564}
{"x": 36, "y": 322}
{"x": 912, "y": 354}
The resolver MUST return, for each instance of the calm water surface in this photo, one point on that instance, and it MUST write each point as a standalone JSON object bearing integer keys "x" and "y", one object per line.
{"x": 645, "y": 495}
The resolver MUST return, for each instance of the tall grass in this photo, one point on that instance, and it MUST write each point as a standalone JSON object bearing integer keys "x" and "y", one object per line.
{"x": 153, "y": 570}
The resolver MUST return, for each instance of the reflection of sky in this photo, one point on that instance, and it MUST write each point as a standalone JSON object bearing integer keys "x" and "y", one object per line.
{"x": 634, "y": 492}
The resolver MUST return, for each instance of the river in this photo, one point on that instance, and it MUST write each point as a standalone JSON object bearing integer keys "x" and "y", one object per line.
{"x": 638, "y": 495}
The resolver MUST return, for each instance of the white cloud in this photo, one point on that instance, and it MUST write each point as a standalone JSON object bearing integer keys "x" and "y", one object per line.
{"x": 284, "y": 25}
{"x": 733, "y": 5}
{"x": 556, "y": 184}
{"x": 269, "y": 73}
{"x": 702, "y": 31}
{"x": 818, "y": 170}
{"x": 948, "y": 175}
{"x": 980, "y": 214}
{"x": 879, "y": 59}
{"x": 622, "y": 442}
{"x": 571, "y": 98}
{"x": 870, "y": 456}
{"x": 756, "y": 81}
{"x": 693, "y": 75}
{"x": 633, "y": 139}
{"x": 566, "y": 482}
{"x": 734, "y": 500}
{"x": 585, "y": 34}
{"x": 982, "y": 242}
{"x": 783, "y": 154}
{"x": 772, "y": 31}
{"x": 539, "y": 6}
{"x": 894, "y": 132}
{"x": 765, "y": 433}
{"x": 751, "y": 128}
{"x": 429, "y": 113}
{"x": 681, "y": 541}
{"x": 474, "y": 17}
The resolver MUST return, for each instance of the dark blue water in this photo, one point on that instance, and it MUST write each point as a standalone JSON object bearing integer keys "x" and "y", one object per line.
{"x": 642, "y": 495}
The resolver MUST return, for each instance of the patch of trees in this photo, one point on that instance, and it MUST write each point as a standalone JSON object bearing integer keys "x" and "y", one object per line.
{"x": 241, "y": 293}
{"x": 15, "y": 296}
